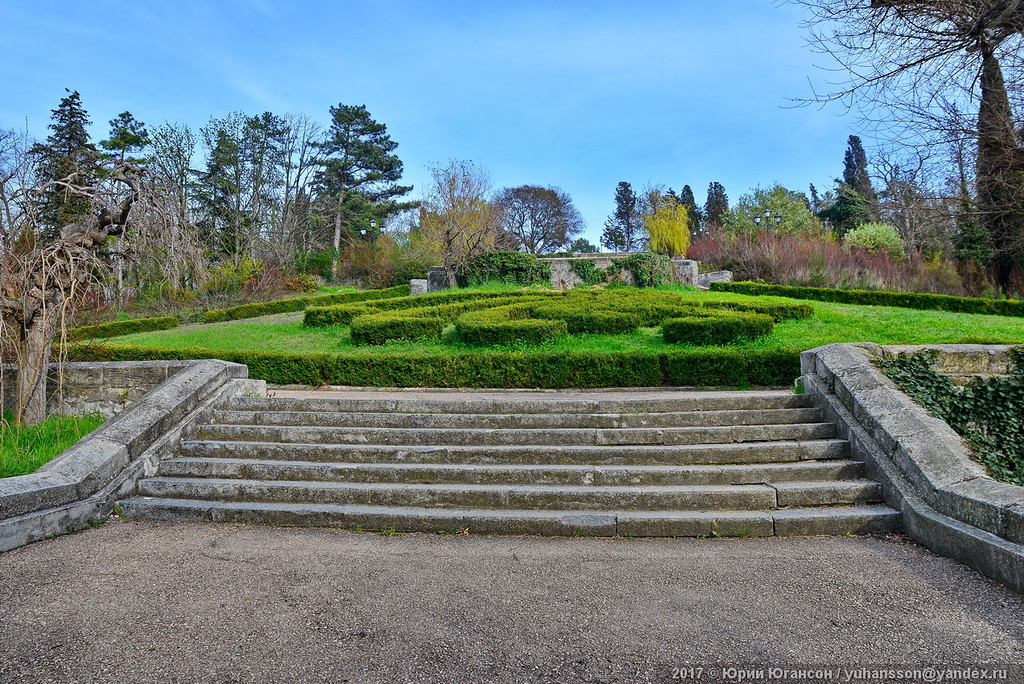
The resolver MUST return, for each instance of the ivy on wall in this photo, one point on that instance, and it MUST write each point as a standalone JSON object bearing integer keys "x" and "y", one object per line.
{"x": 988, "y": 413}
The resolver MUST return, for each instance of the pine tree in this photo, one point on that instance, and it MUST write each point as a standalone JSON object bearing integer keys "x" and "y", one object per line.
{"x": 127, "y": 135}
{"x": 359, "y": 174}
{"x": 66, "y": 151}
{"x": 621, "y": 230}
{"x": 694, "y": 212}
{"x": 716, "y": 208}
{"x": 855, "y": 174}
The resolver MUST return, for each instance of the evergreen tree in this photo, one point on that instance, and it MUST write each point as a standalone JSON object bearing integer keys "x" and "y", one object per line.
{"x": 127, "y": 135}
{"x": 716, "y": 208}
{"x": 67, "y": 151}
{"x": 583, "y": 246}
{"x": 855, "y": 174}
{"x": 696, "y": 216}
{"x": 359, "y": 172}
{"x": 849, "y": 210}
{"x": 621, "y": 230}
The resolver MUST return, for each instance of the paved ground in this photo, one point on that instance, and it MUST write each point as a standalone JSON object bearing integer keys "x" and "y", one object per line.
{"x": 154, "y": 602}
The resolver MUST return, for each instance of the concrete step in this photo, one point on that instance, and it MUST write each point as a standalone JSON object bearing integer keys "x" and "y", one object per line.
{"x": 535, "y": 437}
{"x": 529, "y": 402}
{"x": 749, "y": 452}
{"x": 430, "y": 473}
{"x": 788, "y": 522}
{"x": 522, "y": 420}
{"x": 532, "y": 497}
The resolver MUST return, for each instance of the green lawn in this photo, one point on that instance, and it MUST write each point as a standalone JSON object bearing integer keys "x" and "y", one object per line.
{"x": 23, "y": 450}
{"x": 831, "y": 323}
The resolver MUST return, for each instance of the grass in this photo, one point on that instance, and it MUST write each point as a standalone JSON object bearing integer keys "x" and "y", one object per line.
{"x": 831, "y": 323}
{"x": 24, "y": 450}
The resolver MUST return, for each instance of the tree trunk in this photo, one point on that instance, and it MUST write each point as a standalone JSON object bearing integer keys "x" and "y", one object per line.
{"x": 1000, "y": 171}
{"x": 335, "y": 261}
{"x": 33, "y": 368}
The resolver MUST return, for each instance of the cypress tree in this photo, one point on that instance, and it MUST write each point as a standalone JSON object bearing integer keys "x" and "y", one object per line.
{"x": 687, "y": 199}
{"x": 855, "y": 174}
{"x": 716, "y": 207}
{"x": 622, "y": 227}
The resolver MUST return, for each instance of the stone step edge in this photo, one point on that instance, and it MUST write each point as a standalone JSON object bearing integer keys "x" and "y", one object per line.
{"x": 830, "y": 520}
{"x": 711, "y": 413}
{"x": 825, "y": 464}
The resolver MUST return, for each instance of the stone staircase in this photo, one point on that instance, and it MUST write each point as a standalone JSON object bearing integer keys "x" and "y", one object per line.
{"x": 601, "y": 463}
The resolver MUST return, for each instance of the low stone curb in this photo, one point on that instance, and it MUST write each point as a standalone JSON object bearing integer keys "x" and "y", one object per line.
{"x": 82, "y": 484}
{"x": 948, "y": 501}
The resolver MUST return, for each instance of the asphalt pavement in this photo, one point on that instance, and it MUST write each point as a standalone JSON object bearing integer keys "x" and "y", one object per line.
{"x": 147, "y": 602}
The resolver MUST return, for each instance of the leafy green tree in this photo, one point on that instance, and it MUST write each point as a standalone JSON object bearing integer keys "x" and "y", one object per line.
{"x": 583, "y": 246}
{"x": 127, "y": 135}
{"x": 847, "y": 212}
{"x": 791, "y": 207}
{"x": 67, "y": 152}
{"x": 622, "y": 228}
{"x": 716, "y": 208}
{"x": 667, "y": 225}
{"x": 358, "y": 180}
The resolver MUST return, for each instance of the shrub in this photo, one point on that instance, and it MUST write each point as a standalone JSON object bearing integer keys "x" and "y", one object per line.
{"x": 703, "y": 368}
{"x": 649, "y": 270}
{"x": 718, "y": 328}
{"x": 118, "y": 328}
{"x": 818, "y": 261}
{"x": 877, "y": 237}
{"x": 506, "y": 325}
{"x": 385, "y": 327}
{"x": 588, "y": 271}
{"x": 323, "y": 316}
{"x": 514, "y": 268}
{"x": 299, "y": 303}
{"x": 589, "y": 321}
{"x": 907, "y": 300}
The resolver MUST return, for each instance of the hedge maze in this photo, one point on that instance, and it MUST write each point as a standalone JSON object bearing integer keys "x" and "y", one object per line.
{"x": 488, "y": 319}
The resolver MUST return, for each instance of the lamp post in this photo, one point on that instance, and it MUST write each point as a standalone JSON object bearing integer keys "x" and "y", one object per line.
{"x": 768, "y": 217}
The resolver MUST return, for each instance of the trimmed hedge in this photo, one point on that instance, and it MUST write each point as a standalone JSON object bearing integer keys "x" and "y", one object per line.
{"x": 906, "y": 300}
{"x": 602, "y": 322}
{"x": 507, "y": 325}
{"x": 500, "y": 369}
{"x": 719, "y": 328}
{"x": 317, "y": 317}
{"x": 118, "y": 328}
{"x": 235, "y": 313}
{"x": 382, "y": 328}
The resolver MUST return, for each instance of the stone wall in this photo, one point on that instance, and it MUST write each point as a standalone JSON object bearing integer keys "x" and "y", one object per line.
{"x": 83, "y": 483}
{"x": 948, "y": 501}
{"x": 106, "y": 388}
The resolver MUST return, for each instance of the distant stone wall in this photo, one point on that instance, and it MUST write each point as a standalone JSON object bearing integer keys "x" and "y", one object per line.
{"x": 564, "y": 278}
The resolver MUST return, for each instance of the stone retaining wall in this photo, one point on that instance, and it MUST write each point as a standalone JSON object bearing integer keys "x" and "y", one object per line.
{"x": 81, "y": 484}
{"x": 948, "y": 501}
{"x": 105, "y": 388}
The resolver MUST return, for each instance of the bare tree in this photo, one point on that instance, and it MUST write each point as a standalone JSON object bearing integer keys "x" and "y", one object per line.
{"x": 40, "y": 286}
{"x": 915, "y": 67}
{"x": 540, "y": 220}
{"x": 457, "y": 219}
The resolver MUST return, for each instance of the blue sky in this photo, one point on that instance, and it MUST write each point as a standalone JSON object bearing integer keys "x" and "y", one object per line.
{"x": 580, "y": 95}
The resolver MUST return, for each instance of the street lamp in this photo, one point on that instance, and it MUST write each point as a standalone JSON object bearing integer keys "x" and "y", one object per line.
{"x": 768, "y": 217}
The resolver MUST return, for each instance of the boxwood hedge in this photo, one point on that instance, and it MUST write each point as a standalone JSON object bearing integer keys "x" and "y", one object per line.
{"x": 907, "y": 300}
{"x": 715, "y": 329}
{"x": 235, "y": 313}
{"x": 118, "y": 328}
{"x": 499, "y": 369}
